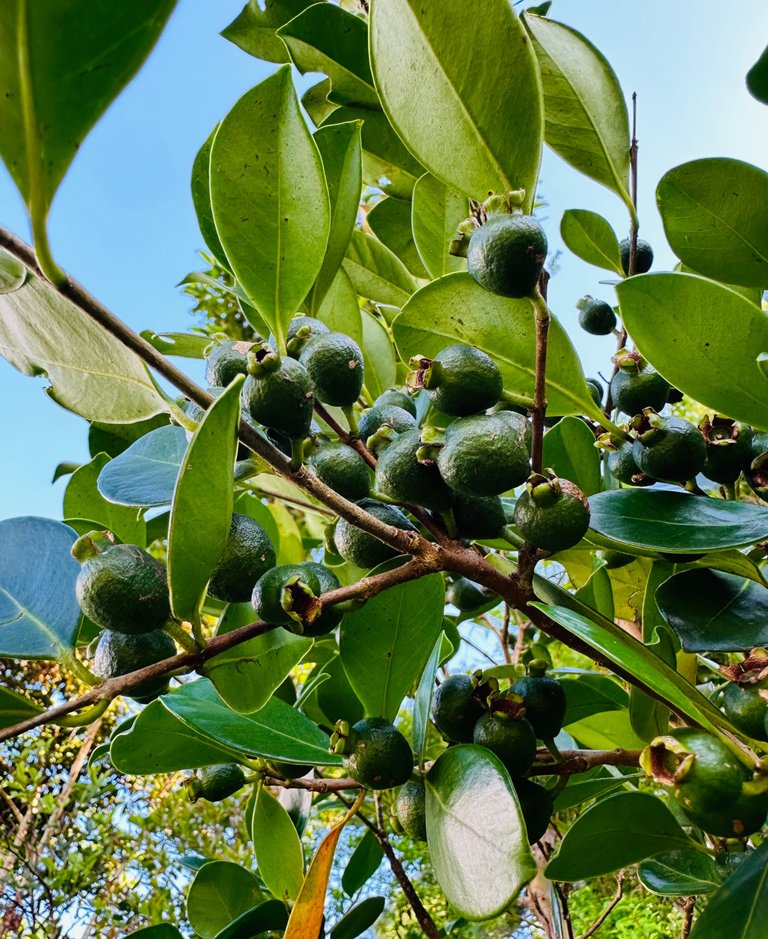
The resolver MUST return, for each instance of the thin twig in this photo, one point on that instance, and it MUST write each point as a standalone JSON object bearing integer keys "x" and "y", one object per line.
{"x": 616, "y": 899}
{"x": 539, "y": 409}
{"x": 688, "y": 907}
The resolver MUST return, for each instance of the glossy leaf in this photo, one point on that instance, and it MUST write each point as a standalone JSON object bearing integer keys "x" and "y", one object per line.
{"x": 259, "y": 920}
{"x": 184, "y": 345}
{"x": 325, "y": 38}
{"x": 254, "y": 29}
{"x": 14, "y": 707}
{"x": 606, "y": 732}
{"x": 592, "y": 239}
{"x": 476, "y": 833}
{"x": 436, "y": 213}
{"x": 39, "y": 613}
{"x": 451, "y": 114}
{"x": 277, "y": 847}
{"x": 740, "y": 907}
{"x": 422, "y": 702}
{"x": 270, "y": 199}
{"x": 710, "y": 352}
{"x": 276, "y": 732}
{"x": 584, "y": 109}
{"x": 592, "y": 785}
{"x": 614, "y": 833}
{"x": 390, "y": 221}
{"x": 363, "y": 864}
{"x": 158, "y": 742}
{"x": 90, "y": 371}
{"x": 341, "y": 152}
{"x": 676, "y": 522}
{"x": 12, "y": 273}
{"x": 633, "y": 657}
{"x": 597, "y": 592}
{"x": 114, "y": 439}
{"x": 682, "y": 873}
{"x": 220, "y": 892}
{"x": 380, "y": 365}
{"x": 713, "y": 219}
{"x": 715, "y": 612}
{"x": 340, "y": 309}
{"x": 359, "y": 918}
{"x": 569, "y": 448}
{"x": 246, "y": 675}
{"x": 145, "y": 474}
{"x": 162, "y": 931}
{"x": 455, "y": 308}
{"x": 386, "y": 644}
{"x": 376, "y": 273}
{"x": 83, "y": 500}
{"x": 591, "y": 693}
{"x": 61, "y": 67}
{"x": 202, "y": 504}
{"x": 649, "y": 717}
{"x": 201, "y": 199}
{"x": 757, "y": 78}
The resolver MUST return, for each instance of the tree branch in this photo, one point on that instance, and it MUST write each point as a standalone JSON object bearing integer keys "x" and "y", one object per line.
{"x": 579, "y": 761}
{"x": 539, "y": 409}
{"x": 609, "y": 908}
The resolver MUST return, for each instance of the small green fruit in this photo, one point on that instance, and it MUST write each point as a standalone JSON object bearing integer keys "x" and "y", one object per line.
{"x": 121, "y": 587}
{"x": 278, "y": 393}
{"x": 396, "y": 398}
{"x": 643, "y": 259}
{"x": 486, "y": 454}
{"x": 301, "y": 330}
{"x": 623, "y": 467}
{"x": 335, "y": 366}
{"x": 407, "y": 473}
{"x": 343, "y": 469}
{"x": 552, "y": 514}
{"x": 225, "y": 361}
{"x": 287, "y": 595}
{"x": 395, "y": 418}
{"x": 511, "y": 738}
{"x": 729, "y": 448}
{"x": 289, "y": 770}
{"x": 215, "y": 783}
{"x": 667, "y": 448}
{"x": 478, "y": 516}
{"x": 329, "y": 617}
{"x": 456, "y": 708}
{"x": 466, "y": 595}
{"x": 460, "y": 380}
{"x": 746, "y": 708}
{"x": 117, "y": 654}
{"x": 537, "y": 806}
{"x": 506, "y": 255}
{"x": 247, "y": 555}
{"x": 738, "y": 819}
{"x": 410, "y": 807}
{"x": 596, "y": 390}
{"x": 543, "y": 700}
{"x": 362, "y": 549}
{"x": 636, "y": 385}
{"x": 596, "y": 317}
{"x": 756, "y": 472}
{"x": 374, "y": 753}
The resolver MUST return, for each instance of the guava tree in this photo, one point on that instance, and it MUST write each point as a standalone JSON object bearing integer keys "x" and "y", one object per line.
{"x": 405, "y": 445}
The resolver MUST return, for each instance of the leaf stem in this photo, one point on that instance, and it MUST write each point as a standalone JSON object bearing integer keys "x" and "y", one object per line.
{"x": 180, "y": 636}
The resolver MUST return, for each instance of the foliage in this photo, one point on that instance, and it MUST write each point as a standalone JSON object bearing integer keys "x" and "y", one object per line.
{"x": 336, "y": 273}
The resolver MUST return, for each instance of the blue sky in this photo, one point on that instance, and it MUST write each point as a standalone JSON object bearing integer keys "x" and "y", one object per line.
{"x": 123, "y": 221}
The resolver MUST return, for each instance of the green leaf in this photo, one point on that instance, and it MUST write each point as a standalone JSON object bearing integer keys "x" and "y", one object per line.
{"x": 277, "y": 847}
{"x": 15, "y": 708}
{"x": 606, "y": 732}
{"x": 569, "y": 448}
{"x": 158, "y": 742}
{"x": 276, "y": 732}
{"x": 633, "y": 657}
{"x": 145, "y": 474}
{"x": 39, "y": 613}
{"x": 247, "y": 674}
{"x": 12, "y": 273}
{"x": 390, "y": 221}
{"x": 363, "y": 864}
{"x": 184, "y": 345}
{"x": 675, "y": 522}
{"x": 713, "y": 219}
{"x": 83, "y": 500}
{"x": 387, "y": 164}
{"x": 61, "y": 67}
{"x": 649, "y": 717}
{"x": 591, "y": 693}
{"x": 340, "y": 310}
{"x": 254, "y": 29}
{"x": 334, "y": 699}
{"x": 260, "y": 920}
{"x": 452, "y": 114}
{"x": 359, "y": 918}
{"x": 614, "y": 833}
{"x": 270, "y": 199}
{"x": 220, "y": 892}
{"x": 422, "y": 702}
{"x": 163, "y": 931}
{"x": 585, "y": 113}
{"x": 455, "y": 308}
{"x": 436, "y": 213}
{"x": 376, "y": 273}
{"x": 114, "y": 439}
{"x": 341, "y": 152}
{"x": 201, "y": 199}
{"x": 592, "y": 239}
{"x": 380, "y": 365}
{"x": 740, "y": 907}
{"x": 476, "y": 833}
{"x": 202, "y": 504}
{"x": 715, "y": 612}
{"x": 757, "y": 78}
{"x": 385, "y": 645}
{"x": 597, "y": 592}
{"x": 592, "y": 785}
{"x": 704, "y": 338}
{"x": 325, "y": 38}
{"x": 90, "y": 371}
{"x": 682, "y": 873}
